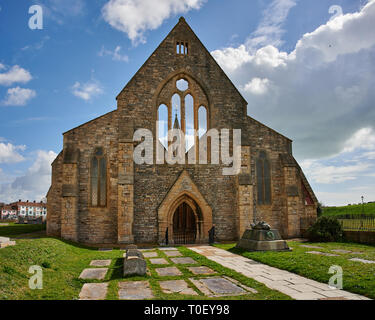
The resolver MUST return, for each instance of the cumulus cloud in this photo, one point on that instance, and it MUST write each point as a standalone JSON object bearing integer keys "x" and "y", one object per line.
{"x": 135, "y": 17}
{"x": 322, "y": 92}
{"x": 87, "y": 91}
{"x": 16, "y": 74}
{"x": 257, "y": 86}
{"x": 18, "y": 96}
{"x": 10, "y": 153}
{"x": 116, "y": 55}
{"x": 34, "y": 184}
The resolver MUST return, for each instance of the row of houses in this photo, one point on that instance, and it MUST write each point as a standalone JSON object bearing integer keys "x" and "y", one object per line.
{"x": 23, "y": 209}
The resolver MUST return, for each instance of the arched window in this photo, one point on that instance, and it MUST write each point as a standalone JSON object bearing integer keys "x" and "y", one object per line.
{"x": 263, "y": 179}
{"x": 202, "y": 121}
{"x": 163, "y": 125}
{"x": 189, "y": 118}
{"x": 98, "y": 179}
{"x": 176, "y": 108}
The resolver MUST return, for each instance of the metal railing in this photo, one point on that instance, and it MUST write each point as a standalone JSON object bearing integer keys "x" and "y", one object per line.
{"x": 364, "y": 224}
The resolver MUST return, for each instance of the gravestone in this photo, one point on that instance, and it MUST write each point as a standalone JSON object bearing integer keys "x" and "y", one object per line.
{"x": 168, "y": 272}
{"x": 262, "y": 238}
{"x": 134, "y": 290}
{"x": 6, "y": 242}
{"x": 134, "y": 266}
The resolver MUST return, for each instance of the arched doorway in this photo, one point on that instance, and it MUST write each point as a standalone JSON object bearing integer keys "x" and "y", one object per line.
{"x": 184, "y": 225}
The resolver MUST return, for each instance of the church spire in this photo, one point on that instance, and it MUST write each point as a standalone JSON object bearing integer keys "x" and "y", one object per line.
{"x": 176, "y": 123}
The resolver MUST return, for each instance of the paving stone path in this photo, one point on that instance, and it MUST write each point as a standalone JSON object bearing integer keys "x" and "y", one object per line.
{"x": 100, "y": 263}
{"x": 295, "y": 286}
{"x": 362, "y": 260}
{"x": 134, "y": 290}
{"x": 323, "y": 253}
{"x": 176, "y": 286}
{"x": 94, "y": 273}
{"x": 93, "y": 291}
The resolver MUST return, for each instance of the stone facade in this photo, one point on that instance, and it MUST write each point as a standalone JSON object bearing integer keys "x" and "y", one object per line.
{"x": 141, "y": 199}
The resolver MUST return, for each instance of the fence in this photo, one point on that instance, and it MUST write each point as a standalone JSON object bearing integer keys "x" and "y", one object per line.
{"x": 363, "y": 224}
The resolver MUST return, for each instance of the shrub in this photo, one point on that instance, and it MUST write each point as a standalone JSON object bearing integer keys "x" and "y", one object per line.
{"x": 325, "y": 229}
{"x": 46, "y": 265}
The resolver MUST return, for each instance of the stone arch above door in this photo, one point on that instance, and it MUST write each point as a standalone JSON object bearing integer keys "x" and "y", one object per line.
{"x": 184, "y": 190}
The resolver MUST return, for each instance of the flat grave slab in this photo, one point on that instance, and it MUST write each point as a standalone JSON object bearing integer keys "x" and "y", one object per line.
{"x": 341, "y": 251}
{"x": 184, "y": 260}
{"x": 168, "y": 249}
{"x": 201, "y": 270}
{"x": 217, "y": 286}
{"x": 150, "y": 254}
{"x": 168, "y": 272}
{"x": 362, "y": 260}
{"x": 176, "y": 286}
{"x": 100, "y": 263}
{"x": 134, "y": 290}
{"x": 94, "y": 273}
{"x": 4, "y": 224}
{"x": 93, "y": 291}
{"x": 6, "y": 242}
{"x": 159, "y": 261}
{"x": 323, "y": 253}
{"x": 173, "y": 253}
{"x": 105, "y": 249}
{"x": 310, "y": 246}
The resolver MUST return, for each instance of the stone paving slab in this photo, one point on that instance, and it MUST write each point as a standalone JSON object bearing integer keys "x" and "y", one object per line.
{"x": 134, "y": 290}
{"x": 159, "y": 261}
{"x": 168, "y": 249}
{"x": 176, "y": 286}
{"x": 323, "y": 253}
{"x": 173, "y": 253}
{"x": 184, "y": 260}
{"x": 93, "y": 291}
{"x": 295, "y": 286}
{"x": 105, "y": 249}
{"x": 310, "y": 246}
{"x": 218, "y": 287}
{"x": 341, "y": 251}
{"x": 362, "y": 260}
{"x": 168, "y": 272}
{"x": 150, "y": 254}
{"x": 100, "y": 263}
{"x": 94, "y": 273}
{"x": 201, "y": 270}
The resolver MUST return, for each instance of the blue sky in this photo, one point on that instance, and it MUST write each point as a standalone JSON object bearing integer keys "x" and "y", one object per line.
{"x": 308, "y": 77}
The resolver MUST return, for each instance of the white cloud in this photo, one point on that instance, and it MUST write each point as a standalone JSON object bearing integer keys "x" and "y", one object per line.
{"x": 116, "y": 55}
{"x": 135, "y": 17}
{"x": 14, "y": 75}
{"x": 87, "y": 91}
{"x": 322, "y": 92}
{"x": 34, "y": 184}
{"x": 18, "y": 96}
{"x": 362, "y": 139}
{"x": 270, "y": 31}
{"x": 9, "y": 153}
{"x": 59, "y": 11}
{"x": 257, "y": 86}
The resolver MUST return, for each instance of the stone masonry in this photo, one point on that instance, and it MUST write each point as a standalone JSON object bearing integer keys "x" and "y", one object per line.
{"x": 141, "y": 200}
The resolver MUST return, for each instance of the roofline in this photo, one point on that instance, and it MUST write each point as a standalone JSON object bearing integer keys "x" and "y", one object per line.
{"x": 182, "y": 19}
{"x": 89, "y": 121}
{"x": 273, "y": 130}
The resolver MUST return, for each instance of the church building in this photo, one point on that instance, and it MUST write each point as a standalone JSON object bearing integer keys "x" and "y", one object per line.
{"x": 101, "y": 195}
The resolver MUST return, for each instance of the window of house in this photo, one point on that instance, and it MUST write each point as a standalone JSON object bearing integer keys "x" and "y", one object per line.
{"x": 98, "y": 179}
{"x": 263, "y": 179}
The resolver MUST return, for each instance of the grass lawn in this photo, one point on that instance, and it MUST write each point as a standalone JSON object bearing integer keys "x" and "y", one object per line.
{"x": 14, "y": 229}
{"x": 63, "y": 262}
{"x": 367, "y": 209}
{"x": 357, "y": 277}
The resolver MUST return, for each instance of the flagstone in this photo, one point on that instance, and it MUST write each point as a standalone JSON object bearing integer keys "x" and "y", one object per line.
{"x": 150, "y": 254}
{"x": 310, "y": 246}
{"x": 135, "y": 290}
{"x": 93, "y": 291}
{"x": 341, "y": 251}
{"x": 173, "y": 253}
{"x": 184, "y": 260}
{"x": 362, "y": 260}
{"x": 220, "y": 286}
{"x": 94, "y": 273}
{"x": 100, "y": 263}
{"x": 323, "y": 253}
{"x": 176, "y": 286}
{"x": 201, "y": 270}
{"x": 169, "y": 271}
{"x": 168, "y": 249}
{"x": 159, "y": 261}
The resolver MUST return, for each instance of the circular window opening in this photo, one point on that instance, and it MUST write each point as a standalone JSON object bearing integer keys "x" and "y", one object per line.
{"x": 182, "y": 85}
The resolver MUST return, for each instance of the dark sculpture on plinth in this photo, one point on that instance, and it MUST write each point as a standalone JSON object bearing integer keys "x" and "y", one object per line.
{"x": 261, "y": 237}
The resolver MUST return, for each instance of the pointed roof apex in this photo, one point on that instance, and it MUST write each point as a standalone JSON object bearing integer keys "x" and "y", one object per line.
{"x": 182, "y": 19}
{"x": 176, "y": 123}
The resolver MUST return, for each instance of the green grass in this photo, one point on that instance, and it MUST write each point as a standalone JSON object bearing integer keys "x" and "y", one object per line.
{"x": 14, "y": 229}
{"x": 367, "y": 209}
{"x": 357, "y": 277}
{"x": 62, "y": 263}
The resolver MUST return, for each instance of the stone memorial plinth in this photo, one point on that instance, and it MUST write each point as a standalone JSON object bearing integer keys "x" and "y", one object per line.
{"x": 262, "y": 238}
{"x": 134, "y": 263}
